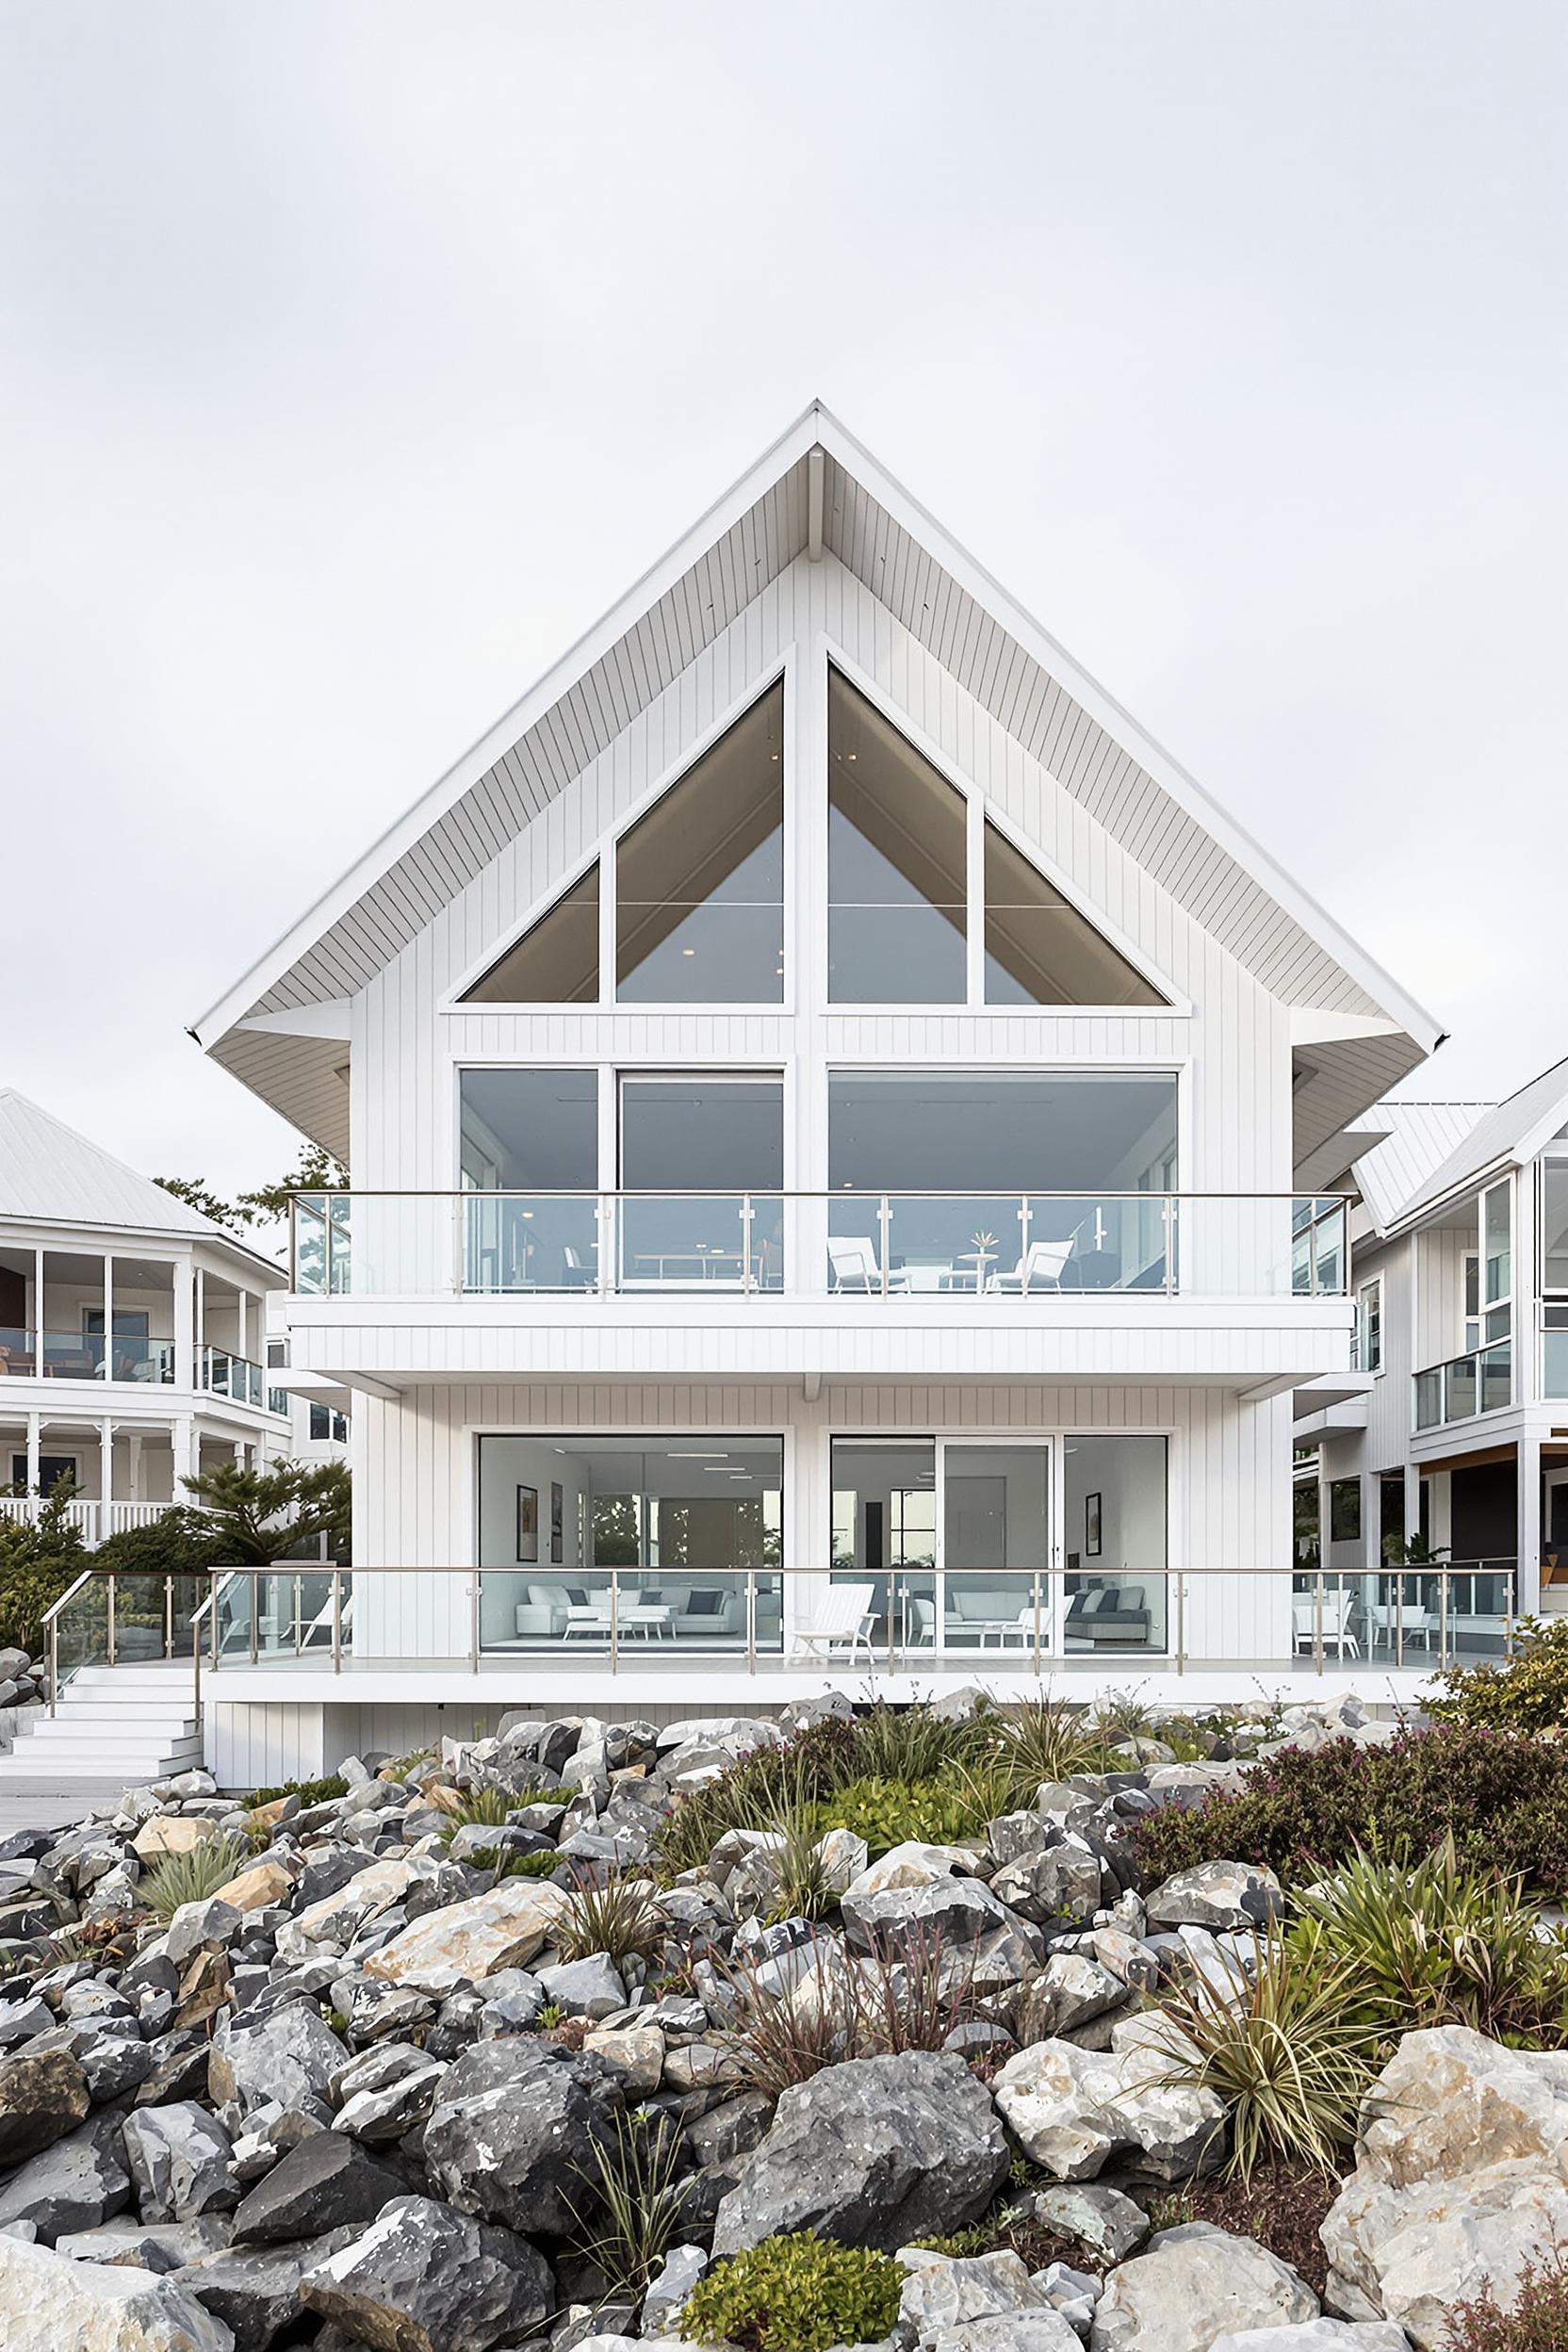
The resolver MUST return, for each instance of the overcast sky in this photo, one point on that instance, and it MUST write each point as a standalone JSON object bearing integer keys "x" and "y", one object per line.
{"x": 354, "y": 358}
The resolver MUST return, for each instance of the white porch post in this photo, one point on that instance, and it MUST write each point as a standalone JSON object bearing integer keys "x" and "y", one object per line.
{"x": 132, "y": 1478}
{"x": 1528, "y": 1538}
{"x": 35, "y": 1448}
{"x": 201, "y": 1308}
{"x": 106, "y": 1475}
{"x": 108, "y": 1322}
{"x": 244, "y": 1350}
{"x": 38, "y": 1324}
{"x": 184, "y": 1325}
{"x": 183, "y": 1438}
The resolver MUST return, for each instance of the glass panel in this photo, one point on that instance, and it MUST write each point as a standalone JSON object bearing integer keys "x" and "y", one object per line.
{"x": 559, "y": 1518}
{"x": 1555, "y": 1364}
{"x": 1039, "y": 950}
{"x": 1472, "y": 1283}
{"x": 557, "y": 961}
{"x": 950, "y": 1242}
{"x": 1495, "y": 1241}
{"x": 1553, "y": 1224}
{"x": 1429, "y": 1398}
{"x": 528, "y": 1130}
{"x": 1344, "y": 1511}
{"x": 1306, "y": 1508}
{"x": 995, "y": 1546}
{"x": 699, "y": 881}
{"x": 1497, "y": 1377}
{"x": 1115, "y": 1589}
{"x": 977, "y": 1132}
{"x": 1460, "y": 1401}
{"x": 695, "y": 1147}
{"x": 885, "y": 1535}
{"x": 82, "y": 1630}
{"x": 896, "y": 864}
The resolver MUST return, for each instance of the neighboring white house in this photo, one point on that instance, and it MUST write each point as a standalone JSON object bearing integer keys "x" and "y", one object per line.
{"x": 1459, "y": 1433}
{"x": 131, "y": 1331}
{"x": 839, "y": 1126}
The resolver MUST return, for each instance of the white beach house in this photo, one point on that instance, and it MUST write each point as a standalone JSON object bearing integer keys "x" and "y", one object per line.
{"x": 839, "y": 1126}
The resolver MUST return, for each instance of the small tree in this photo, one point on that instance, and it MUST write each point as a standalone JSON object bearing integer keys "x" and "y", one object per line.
{"x": 263, "y": 1516}
{"x": 316, "y": 1172}
{"x": 40, "y": 1558}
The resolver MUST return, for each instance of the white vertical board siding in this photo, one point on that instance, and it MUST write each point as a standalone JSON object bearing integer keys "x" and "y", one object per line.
{"x": 1229, "y": 1480}
{"x": 256, "y": 1744}
{"x": 1237, "y": 1110}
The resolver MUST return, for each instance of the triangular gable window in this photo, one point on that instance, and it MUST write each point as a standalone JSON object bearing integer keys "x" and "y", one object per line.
{"x": 1039, "y": 950}
{"x": 557, "y": 959}
{"x": 699, "y": 880}
{"x": 896, "y": 864}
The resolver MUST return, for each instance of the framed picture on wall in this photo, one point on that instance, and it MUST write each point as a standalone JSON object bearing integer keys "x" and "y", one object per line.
{"x": 558, "y": 1523}
{"x": 528, "y": 1523}
{"x": 1091, "y": 1526}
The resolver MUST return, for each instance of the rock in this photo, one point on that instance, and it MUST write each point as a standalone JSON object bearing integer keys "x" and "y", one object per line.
{"x": 422, "y": 2278}
{"x": 1039, "y": 2331}
{"x": 873, "y": 2153}
{"x": 350, "y": 1892}
{"x": 172, "y": 1833}
{"x": 264, "y": 1883}
{"x": 41, "y": 2099}
{"x": 1318, "y": 2335}
{"x": 1072, "y": 2109}
{"x": 205, "y": 1926}
{"x": 1068, "y": 1991}
{"x": 514, "y": 2128}
{"x": 943, "y": 2293}
{"x": 469, "y": 1940}
{"x": 912, "y": 1864}
{"x": 1193, "y": 2284}
{"x": 255, "y": 2290}
{"x": 385, "y": 2112}
{"x": 842, "y": 1856}
{"x": 76, "y": 2184}
{"x": 634, "y": 2054}
{"x": 1101, "y": 2219}
{"x": 48, "y": 2303}
{"x": 683, "y": 2266}
{"x": 289, "y": 2055}
{"x": 179, "y": 2160}
{"x": 324, "y": 2183}
{"x": 958, "y": 1911}
{"x": 1216, "y": 1894}
{"x": 584, "y": 1988}
{"x": 1052, "y": 1882}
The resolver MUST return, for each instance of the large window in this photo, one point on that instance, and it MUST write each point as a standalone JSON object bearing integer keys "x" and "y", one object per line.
{"x": 699, "y": 881}
{"x": 1367, "y": 1345}
{"x": 528, "y": 1144}
{"x": 896, "y": 864}
{"x": 705, "y": 1155}
{"x": 999, "y": 1180}
{"x": 1554, "y": 1278}
{"x": 647, "y": 1539}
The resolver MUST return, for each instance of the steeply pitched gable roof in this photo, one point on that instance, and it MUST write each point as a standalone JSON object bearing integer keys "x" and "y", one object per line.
{"x": 1415, "y": 1140}
{"x": 1511, "y": 1131}
{"x": 816, "y": 488}
{"x": 49, "y": 1174}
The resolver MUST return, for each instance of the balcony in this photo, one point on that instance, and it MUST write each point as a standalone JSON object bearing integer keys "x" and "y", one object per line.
{"x": 85, "y": 1356}
{"x": 235, "y": 1376}
{"x": 845, "y": 1246}
{"x": 1481, "y": 1382}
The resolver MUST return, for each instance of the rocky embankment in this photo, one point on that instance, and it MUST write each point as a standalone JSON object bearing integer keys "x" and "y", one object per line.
{"x": 375, "y": 2092}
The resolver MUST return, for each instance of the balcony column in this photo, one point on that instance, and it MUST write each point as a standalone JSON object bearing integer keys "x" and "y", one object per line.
{"x": 108, "y": 1321}
{"x": 133, "y": 1469}
{"x": 35, "y": 1448}
{"x": 243, "y": 1349}
{"x": 38, "y": 1324}
{"x": 106, "y": 1474}
{"x": 1529, "y": 1536}
{"x": 185, "y": 1327}
{"x": 182, "y": 1440}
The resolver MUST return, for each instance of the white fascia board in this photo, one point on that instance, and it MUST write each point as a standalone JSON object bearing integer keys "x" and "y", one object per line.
{"x": 1309, "y": 1026}
{"x": 721, "y": 517}
{"x": 331, "y": 1019}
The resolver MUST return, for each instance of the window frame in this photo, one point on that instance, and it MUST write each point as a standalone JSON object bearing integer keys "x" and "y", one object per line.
{"x": 1364, "y": 1293}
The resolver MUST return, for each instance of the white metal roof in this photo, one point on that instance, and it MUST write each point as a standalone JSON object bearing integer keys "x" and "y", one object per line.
{"x": 1506, "y": 1133}
{"x": 1416, "y": 1139}
{"x": 50, "y": 1175}
{"x": 1018, "y": 673}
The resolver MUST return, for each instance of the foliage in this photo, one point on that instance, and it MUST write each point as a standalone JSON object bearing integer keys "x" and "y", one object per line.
{"x": 479, "y": 1808}
{"x": 1528, "y": 1691}
{"x": 635, "y": 2204}
{"x": 795, "y": 2292}
{"x": 192, "y": 1876}
{"x": 1428, "y": 1942}
{"x": 260, "y": 1516}
{"x": 308, "y": 1791}
{"x": 913, "y": 1743}
{"x": 502, "y": 1863}
{"x": 623, "y": 1917}
{"x": 1537, "y": 2320}
{"x": 39, "y": 1560}
{"x": 961, "y": 2245}
{"x": 885, "y": 1813}
{"x": 1288, "y": 2060}
{"x": 1504, "y": 1800}
{"x": 180, "y": 1542}
{"x": 318, "y": 1171}
{"x": 1047, "y": 1739}
{"x": 750, "y": 1792}
{"x": 894, "y": 1998}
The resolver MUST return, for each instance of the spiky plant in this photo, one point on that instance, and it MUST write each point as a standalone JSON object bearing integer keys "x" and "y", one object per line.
{"x": 623, "y": 1917}
{"x": 192, "y": 1876}
{"x": 1046, "y": 1739}
{"x": 633, "y": 2205}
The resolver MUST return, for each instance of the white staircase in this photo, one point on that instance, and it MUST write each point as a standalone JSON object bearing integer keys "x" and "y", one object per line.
{"x": 122, "y": 1724}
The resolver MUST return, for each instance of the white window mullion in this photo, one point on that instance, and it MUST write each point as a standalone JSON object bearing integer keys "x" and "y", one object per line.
{"x": 974, "y": 902}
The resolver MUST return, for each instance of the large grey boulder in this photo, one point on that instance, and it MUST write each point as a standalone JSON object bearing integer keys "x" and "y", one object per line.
{"x": 1062, "y": 1881}
{"x": 255, "y": 2290}
{"x": 515, "y": 2131}
{"x": 1193, "y": 2284}
{"x": 41, "y": 2099}
{"x": 80, "y": 2184}
{"x": 50, "y": 2304}
{"x": 955, "y": 1912}
{"x": 289, "y": 2055}
{"x": 1318, "y": 2335}
{"x": 1460, "y": 2179}
{"x": 1217, "y": 1895}
{"x": 1071, "y": 2110}
{"x": 1040, "y": 2330}
{"x": 943, "y": 2293}
{"x": 1068, "y": 1992}
{"x": 422, "y": 2278}
{"x": 179, "y": 2160}
{"x": 323, "y": 2183}
{"x": 876, "y": 2153}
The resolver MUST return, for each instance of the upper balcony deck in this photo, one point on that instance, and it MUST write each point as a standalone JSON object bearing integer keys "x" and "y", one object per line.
{"x": 449, "y": 1285}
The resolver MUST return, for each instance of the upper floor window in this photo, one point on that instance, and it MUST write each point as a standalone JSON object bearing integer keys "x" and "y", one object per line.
{"x": 1369, "y": 1327}
{"x": 1554, "y": 1225}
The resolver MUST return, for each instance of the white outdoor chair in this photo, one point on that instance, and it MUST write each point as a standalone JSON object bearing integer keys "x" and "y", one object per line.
{"x": 1385, "y": 1621}
{"x": 1337, "y": 1635}
{"x": 853, "y": 1262}
{"x": 839, "y": 1625}
{"x": 1040, "y": 1268}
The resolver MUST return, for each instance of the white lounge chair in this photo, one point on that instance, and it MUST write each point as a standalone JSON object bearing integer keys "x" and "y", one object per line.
{"x": 1040, "y": 1268}
{"x": 853, "y": 1262}
{"x": 839, "y": 1625}
{"x": 1337, "y": 1635}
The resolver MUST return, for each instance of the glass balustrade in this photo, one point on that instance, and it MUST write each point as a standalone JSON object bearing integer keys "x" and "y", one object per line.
{"x": 85, "y": 1356}
{"x": 811, "y": 1244}
{"x": 1481, "y": 1382}
{"x": 233, "y": 1377}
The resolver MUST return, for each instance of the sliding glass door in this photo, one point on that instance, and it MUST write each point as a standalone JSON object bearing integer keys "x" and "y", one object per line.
{"x": 705, "y": 1155}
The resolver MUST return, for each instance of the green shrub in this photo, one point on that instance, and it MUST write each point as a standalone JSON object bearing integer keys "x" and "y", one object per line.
{"x": 1528, "y": 1691}
{"x": 887, "y": 1813}
{"x": 308, "y": 1791}
{"x": 1535, "y": 2321}
{"x": 192, "y": 1876}
{"x": 1504, "y": 1800}
{"x": 179, "y": 1542}
{"x": 795, "y": 2294}
{"x": 1428, "y": 1943}
{"x": 38, "y": 1562}
{"x": 503, "y": 1864}
{"x": 1288, "y": 2059}
{"x": 750, "y": 1793}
